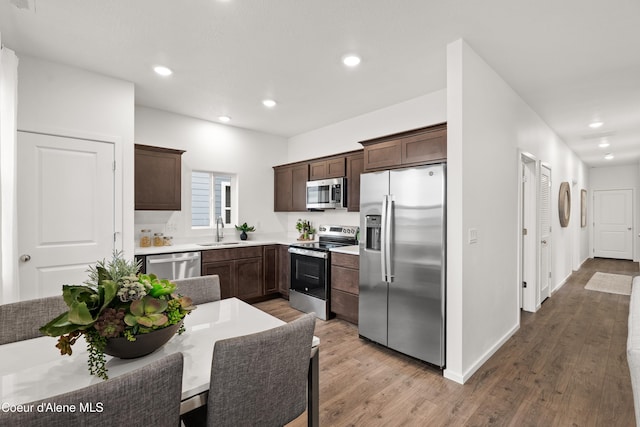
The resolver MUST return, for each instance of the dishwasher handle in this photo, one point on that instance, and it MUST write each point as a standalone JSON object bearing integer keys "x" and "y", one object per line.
{"x": 172, "y": 260}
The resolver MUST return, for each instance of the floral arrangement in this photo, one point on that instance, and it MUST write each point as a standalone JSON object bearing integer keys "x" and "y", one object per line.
{"x": 114, "y": 302}
{"x": 305, "y": 229}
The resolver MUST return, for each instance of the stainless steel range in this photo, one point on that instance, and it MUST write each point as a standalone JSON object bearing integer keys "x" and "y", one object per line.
{"x": 311, "y": 269}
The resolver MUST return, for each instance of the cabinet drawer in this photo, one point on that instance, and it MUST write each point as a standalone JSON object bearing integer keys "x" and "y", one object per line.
{"x": 229, "y": 254}
{"x": 345, "y": 279}
{"x": 345, "y": 305}
{"x": 345, "y": 260}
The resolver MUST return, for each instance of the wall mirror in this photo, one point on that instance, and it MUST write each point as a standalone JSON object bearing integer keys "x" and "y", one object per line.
{"x": 564, "y": 204}
{"x": 583, "y": 208}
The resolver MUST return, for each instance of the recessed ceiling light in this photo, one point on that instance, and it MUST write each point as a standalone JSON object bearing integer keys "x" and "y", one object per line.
{"x": 269, "y": 103}
{"x": 596, "y": 124}
{"x": 603, "y": 144}
{"x": 351, "y": 60}
{"x": 608, "y": 156}
{"x": 225, "y": 119}
{"x": 162, "y": 70}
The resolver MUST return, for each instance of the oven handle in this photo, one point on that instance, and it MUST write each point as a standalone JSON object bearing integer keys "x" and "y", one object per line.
{"x": 307, "y": 252}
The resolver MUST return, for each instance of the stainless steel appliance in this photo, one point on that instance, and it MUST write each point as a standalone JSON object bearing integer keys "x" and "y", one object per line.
{"x": 402, "y": 261}
{"x": 311, "y": 269}
{"x": 174, "y": 266}
{"x": 327, "y": 194}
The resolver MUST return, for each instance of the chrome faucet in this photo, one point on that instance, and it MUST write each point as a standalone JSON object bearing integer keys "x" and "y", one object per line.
{"x": 219, "y": 223}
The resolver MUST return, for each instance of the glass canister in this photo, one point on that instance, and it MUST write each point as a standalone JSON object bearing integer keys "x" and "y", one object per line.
{"x": 158, "y": 239}
{"x": 145, "y": 238}
{"x": 168, "y": 240}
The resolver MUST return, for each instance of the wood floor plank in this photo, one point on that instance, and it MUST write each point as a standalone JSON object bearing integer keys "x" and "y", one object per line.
{"x": 565, "y": 366}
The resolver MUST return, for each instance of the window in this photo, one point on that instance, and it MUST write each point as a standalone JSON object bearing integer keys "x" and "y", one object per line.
{"x": 211, "y": 197}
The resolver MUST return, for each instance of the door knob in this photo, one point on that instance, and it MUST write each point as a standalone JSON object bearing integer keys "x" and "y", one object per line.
{"x": 544, "y": 242}
{"x": 25, "y": 258}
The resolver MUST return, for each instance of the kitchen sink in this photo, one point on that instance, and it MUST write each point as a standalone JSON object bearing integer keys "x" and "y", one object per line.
{"x": 222, "y": 244}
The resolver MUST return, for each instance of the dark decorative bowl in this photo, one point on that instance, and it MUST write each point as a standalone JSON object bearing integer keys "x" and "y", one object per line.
{"x": 144, "y": 344}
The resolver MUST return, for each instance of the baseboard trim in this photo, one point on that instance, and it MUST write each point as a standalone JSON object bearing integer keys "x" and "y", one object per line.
{"x": 462, "y": 378}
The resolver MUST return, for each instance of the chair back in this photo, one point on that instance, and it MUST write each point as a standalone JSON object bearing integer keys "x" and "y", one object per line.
{"x": 148, "y": 396}
{"x": 200, "y": 289}
{"x": 22, "y": 320}
{"x": 261, "y": 379}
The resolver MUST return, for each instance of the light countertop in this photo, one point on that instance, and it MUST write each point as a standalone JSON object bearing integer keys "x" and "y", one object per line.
{"x": 205, "y": 244}
{"x": 200, "y": 244}
{"x": 351, "y": 250}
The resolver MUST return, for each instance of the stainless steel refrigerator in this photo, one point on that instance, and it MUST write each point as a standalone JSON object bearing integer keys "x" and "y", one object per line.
{"x": 402, "y": 261}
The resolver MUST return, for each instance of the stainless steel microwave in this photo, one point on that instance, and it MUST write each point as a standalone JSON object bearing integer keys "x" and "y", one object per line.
{"x": 327, "y": 194}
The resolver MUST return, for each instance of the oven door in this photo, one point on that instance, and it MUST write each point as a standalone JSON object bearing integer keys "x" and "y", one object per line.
{"x": 309, "y": 272}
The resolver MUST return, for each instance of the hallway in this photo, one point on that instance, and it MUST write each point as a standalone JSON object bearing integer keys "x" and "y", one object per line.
{"x": 566, "y": 365}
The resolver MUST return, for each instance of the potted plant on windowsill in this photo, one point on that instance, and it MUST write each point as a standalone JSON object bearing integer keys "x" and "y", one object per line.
{"x": 244, "y": 228}
{"x": 118, "y": 311}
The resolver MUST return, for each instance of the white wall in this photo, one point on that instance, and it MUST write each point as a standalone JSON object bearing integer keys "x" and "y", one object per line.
{"x": 570, "y": 245}
{"x": 344, "y": 136}
{"x": 488, "y": 124}
{"x": 217, "y": 148}
{"x": 62, "y": 100}
{"x": 618, "y": 178}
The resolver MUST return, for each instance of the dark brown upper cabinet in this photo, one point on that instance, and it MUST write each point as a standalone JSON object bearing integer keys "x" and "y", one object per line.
{"x": 290, "y": 180}
{"x": 290, "y": 187}
{"x": 329, "y": 168}
{"x": 355, "y": 166}
{"x": 158, "y": 178}
{"x": 416, "y": 147}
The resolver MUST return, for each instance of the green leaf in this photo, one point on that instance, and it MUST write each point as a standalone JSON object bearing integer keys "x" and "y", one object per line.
{"x": 130, "y": 319}
{"x": 79, "y": 314}
{"x": 58, "y": 326}
{"x": 80, "y": 293}
{"x": 153, "y": 305}
{"x": 145, "y": 321}
{"x": 137, "y": 307}
{"x": 110, "y": 291}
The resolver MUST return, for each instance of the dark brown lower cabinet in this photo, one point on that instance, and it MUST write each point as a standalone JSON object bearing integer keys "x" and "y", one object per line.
{"x": 224, "y": 270}
{"x": 284, "y": 270}
{"x": 251, "y": 273}
{"x": 345, "y": 286}
{"x": 270, "y": 268}
{"x": 239, "y": 269}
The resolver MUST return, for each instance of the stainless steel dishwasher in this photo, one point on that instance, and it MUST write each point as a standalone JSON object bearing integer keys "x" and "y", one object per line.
{"x": 181, "y": 265}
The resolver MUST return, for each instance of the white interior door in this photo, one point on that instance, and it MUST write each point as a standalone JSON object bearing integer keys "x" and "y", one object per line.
{"x": 528, "y": 264}
{"x": 65, "y": 210}
{"x": 613, "y": 224}
{"x": 545, "y": 232}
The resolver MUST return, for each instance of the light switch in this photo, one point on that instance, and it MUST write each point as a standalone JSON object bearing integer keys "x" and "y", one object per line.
{"x": 473, "y": 235}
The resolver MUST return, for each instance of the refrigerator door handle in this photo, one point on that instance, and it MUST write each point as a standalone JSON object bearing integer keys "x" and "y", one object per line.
{"x": 383, "y": 238}
{"x": 389, "y": 239}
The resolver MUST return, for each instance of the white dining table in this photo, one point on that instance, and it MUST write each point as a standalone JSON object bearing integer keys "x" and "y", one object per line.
{"x": 34, "y": 369}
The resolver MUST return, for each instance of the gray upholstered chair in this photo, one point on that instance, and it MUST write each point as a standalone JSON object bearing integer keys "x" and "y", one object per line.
{"x": 200, "y": 289}
{"x": 22, "y": 320}
{"x": 260, "y": 379}
{"x": 148, "y": 396}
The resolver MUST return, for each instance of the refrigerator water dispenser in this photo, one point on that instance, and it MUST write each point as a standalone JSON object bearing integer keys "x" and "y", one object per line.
{"x": 373, "y": 227}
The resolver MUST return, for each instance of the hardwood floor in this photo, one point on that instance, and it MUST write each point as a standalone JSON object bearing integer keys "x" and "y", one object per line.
{"x": 566, "y": 366}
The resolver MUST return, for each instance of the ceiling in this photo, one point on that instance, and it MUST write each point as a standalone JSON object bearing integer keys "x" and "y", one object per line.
{"x": 572, "y": 61}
